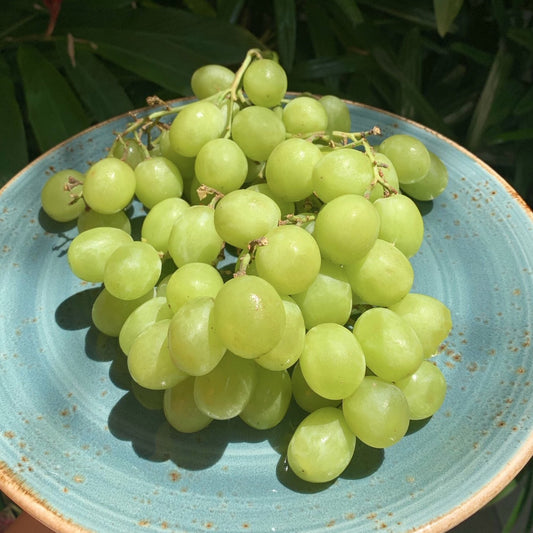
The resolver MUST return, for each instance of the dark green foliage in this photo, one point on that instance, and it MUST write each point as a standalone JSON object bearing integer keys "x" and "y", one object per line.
{"x": 464, "y": 69}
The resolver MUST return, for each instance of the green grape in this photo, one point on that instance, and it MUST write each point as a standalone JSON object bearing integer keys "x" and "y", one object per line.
{"x": 191, "y": 281}
{"x": 158, "y": 223}
{"x": 305, "y": 396}
{"x": 291, "y": 344}
{"x": 289, "y": 169}
{"x": 389, "y": 175}
{"x": 132, "y": 270}
{"x": 109, "y": 313}
{"x": 257, "y": 130}
{"x": 338, "y": 113}
{"x": 194, "y": 238}
{"x": 157, "y": 178}
{"x": 377, "y": 413}
{"x": 180, "y": 408}
{"x": 61, "y": 195}
{"x": 391, "y": 347}
{"x": 144, "y": 315}
{"x": 425, "y": 390}
{"x": 328, "y": 298}
{"x": 193, "y": 343}
{"x": 109, "y": 185}
{"x": 346, "y": 228}
{"x": 211, "y": 79}
{"x": 322, "y": 446}
{"x": 285, "y": 207}
{"x": 89, "y": 251}
{"x": 409, "y": 156}
{"x": 382, "y": 277}
{"x": 265, "y": 82}
{"x": 332, "y": 361}
{"x": 429, "y": 317}
{"x": 194, "y": 125}
{"x": 270, "y": 399}
{"x": 244, "y": 215}
{"x": 149, "y": 361}
{"x": 148, "y": 398}
{"x": 249, "y": 316}
{"x": 401, "y": 223}
{"x": 342, "y": 171}
{"x": 432, "y": 184}
{"x": 222, "y": 165}
{"x": 130, "y": 151}
{"x": 224, "y": 392}
{"x": 289, "y": 260}
{"x": 303, "y": 115}
{"x": 89, "y": 219}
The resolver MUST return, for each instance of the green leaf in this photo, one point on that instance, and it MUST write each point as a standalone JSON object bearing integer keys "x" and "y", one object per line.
{"x": 229, "y": 10}
{"x": 522, "y": 36}
{"x": 445, "y": 13}
{"x": 285, "y": 13}
{"x": 54, "y": 111}
{"x": 330, "y": 66}
{"x": 200, "y": 7}
{"x": 525, "y": 104}
{"x": 498, "y": 72}
{"x": 411, "y": 65}
{"x": 481, "y": 57}
{"x": 12, "y": 134}
{"x": 349, "y": 10}
{"x": 96, "y": 85}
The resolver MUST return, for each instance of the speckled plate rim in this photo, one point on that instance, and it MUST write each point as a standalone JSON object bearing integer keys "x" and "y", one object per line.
{"x": 52, "y": 518}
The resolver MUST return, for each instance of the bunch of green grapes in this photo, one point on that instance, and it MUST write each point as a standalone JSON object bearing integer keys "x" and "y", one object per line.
{"x": 273, "y": 264}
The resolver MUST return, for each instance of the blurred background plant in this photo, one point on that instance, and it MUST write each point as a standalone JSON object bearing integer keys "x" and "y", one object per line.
{"x": 462, "y": 68}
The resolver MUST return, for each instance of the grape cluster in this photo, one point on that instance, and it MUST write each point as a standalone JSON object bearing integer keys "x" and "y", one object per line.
{"x": 273, "y": 264}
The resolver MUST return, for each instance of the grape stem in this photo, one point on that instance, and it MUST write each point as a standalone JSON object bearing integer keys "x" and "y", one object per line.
{"x": 298, "y": 220}
{"x": 247, "y": 255}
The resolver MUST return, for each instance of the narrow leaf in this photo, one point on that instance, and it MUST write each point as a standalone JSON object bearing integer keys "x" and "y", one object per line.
{"x": 411, "y": 64}
{"x": 522, "y": 36}
{"x": 96, "y": 85}
{"x": 12, "y": 135}
{"x": 229, "y": 10}
{"x": 200, "y": 7}
{"x": 349, "y": 10}
{"x": 285, "y": 12}
{"x": 497, "y": 73}
{"x": 54, "y": 111}
{"x": 445, "y": 13}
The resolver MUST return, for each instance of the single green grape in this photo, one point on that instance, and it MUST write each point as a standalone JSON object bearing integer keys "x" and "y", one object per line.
{"x": 342, "y": 171}
{"x": 132, "y": 270}
{"x": 109, "y": 185}
{"x": 157, "y": 179}
{"x": 382, "y": 277}
{"x": 391, "y": 347}
{"x": 89, "y": 219}
{"x": 285, "y": 207}
{"x": 208, "y": 80}
{"x": 195, "y": 125}
{"x": 61, "y": 195}
{"x": 409, "y": 156}
{"x": 249, "y": 316}
{"x": 377, "y": 413}
{"x": 194, "y": 346}
{"x": 265, "y": 82}
{"x": 332, "y": 361}
{"x": 289, "y": 169}
{"x": 346, "y": 228}
{"x": 322, "y": 446}
{"x": 338, "y": 113}
{"x": 305, "y": 396}
{"x": 303, "y": 115}
{"x": 289, "y": 259}
{"x": 222, "y": 165}
{"x": 257, "y": 130}
{"x": 129, "y": 150}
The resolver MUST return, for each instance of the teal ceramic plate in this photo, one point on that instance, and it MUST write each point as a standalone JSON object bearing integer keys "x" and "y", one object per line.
{"x": 80, "y": 453}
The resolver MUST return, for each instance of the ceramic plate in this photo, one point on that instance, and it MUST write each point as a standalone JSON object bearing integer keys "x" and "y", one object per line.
{"x": 80, "y": 453}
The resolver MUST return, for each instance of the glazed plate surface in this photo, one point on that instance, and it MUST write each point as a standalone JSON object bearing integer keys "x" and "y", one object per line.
{"x": 80, "y": 453}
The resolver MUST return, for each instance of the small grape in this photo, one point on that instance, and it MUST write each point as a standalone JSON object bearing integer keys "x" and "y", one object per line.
{"x": 305, "y": 114}
{"x": 89, "y": 219}
{"x": 338, "y": 113}
{"x": 265, "y": 82}
{"x": 61, "y": 195}
{"x": 432, "y": 184}
{"x": 157, "y": 179}
{"x": 305, "y": 396}
{"x": 130, "y": 151}
{"x": 211, "y": 79}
